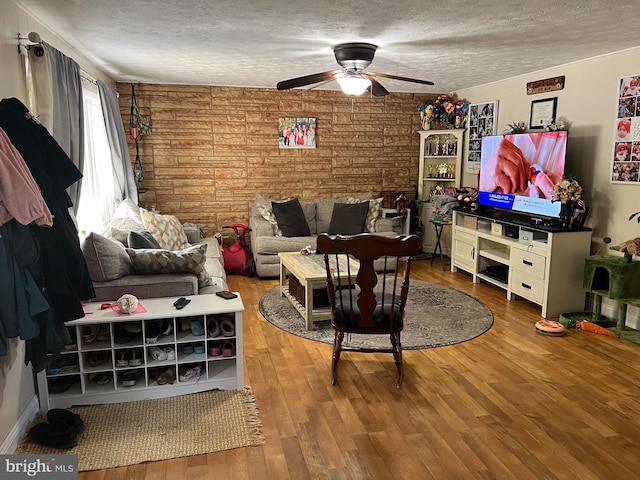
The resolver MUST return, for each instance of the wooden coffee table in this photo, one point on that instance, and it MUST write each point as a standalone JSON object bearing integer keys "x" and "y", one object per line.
{"x": 311, "y": 273}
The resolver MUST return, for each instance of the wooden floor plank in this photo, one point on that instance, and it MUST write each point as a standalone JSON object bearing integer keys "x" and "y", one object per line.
{"x": 508, "y": 404}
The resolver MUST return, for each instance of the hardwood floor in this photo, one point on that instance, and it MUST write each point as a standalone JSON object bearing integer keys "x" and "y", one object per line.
{"x": 510, "y": 404}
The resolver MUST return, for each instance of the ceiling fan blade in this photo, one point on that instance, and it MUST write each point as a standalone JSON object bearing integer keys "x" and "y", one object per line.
{"x": 377, "y": 89}
{"x": 403, "y": 79}
{"x": 308, "y": 80}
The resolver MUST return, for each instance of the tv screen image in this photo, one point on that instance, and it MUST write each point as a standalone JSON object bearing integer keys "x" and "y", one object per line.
{"x": 518, "y": 171}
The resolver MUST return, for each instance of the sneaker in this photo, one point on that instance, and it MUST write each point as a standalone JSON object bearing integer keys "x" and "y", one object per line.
{"x": 191, "y": 373}
{"x": 164, "y": 326}
{"x": 158, "y": 354}
{"x": 198, "y": 348}
{"x": 129, "y": 379}
{"x": 171, "y": 353}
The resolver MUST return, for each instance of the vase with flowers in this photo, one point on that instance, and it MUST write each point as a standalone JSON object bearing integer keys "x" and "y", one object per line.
{"x": 569, "y": 193}
{"x": 447, "y": 111}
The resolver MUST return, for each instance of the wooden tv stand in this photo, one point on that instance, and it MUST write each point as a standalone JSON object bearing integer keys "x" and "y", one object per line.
{"x": 542, "y": 265}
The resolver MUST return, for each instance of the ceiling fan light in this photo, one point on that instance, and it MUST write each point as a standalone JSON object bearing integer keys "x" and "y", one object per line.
{"x": 354, "y": 84}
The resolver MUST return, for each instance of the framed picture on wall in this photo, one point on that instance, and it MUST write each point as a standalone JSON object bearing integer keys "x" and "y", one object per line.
{"x": 483, "y": 121}
{"x": 543, "y": 112}
{"x": 625, "y": 158}
{"x": 297, "y": 132}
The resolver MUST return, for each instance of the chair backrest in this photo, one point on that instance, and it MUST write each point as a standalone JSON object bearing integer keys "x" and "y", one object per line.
{"x": 363, "y": 300}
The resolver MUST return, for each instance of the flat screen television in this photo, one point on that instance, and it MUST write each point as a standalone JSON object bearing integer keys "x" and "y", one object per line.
{"x": 518, "y": 172}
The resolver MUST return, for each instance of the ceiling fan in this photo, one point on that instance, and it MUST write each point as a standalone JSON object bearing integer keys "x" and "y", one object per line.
{"x": 354, "y": 58}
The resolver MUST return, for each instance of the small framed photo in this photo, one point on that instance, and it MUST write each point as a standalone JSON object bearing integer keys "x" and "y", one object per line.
{"x": 297, "y": 132}
{"x": 543, "y": 112}
{"x": 483, "y": 121}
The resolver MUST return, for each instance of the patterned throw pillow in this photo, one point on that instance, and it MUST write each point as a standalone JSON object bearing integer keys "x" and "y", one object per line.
{"x": 166, "y": 229}
{"x": 374, "y": 212}
{"x": 189, "y": 260}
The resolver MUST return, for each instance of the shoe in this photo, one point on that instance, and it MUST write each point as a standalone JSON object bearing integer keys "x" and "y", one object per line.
{"x": 98, "y": 358}
{"x": 228, "y": 349}
{"x": 121, "y": 335}
{"x": 62, "y": 364}
{"x": 158, "y": 354}
{"x": 226, "y": 325}
{"x": 61, "y": 385}
{"x": 168, "y": 376}
{"x": 89, "y": 334}
{"x": 164, "y": 326}
{"x": 129, "y": 379}
{"x": 213, "y": 328}
{"x": 151, "y": 332}
{"x": 187, "y": 348}
{"x": 191, "y": 373}
{"x": 101, "y": 378}
{"x": 135, "y": 358}
{"x": 198, "y": 348}
{"x": 122, "y": 358}
{"x": 171, "y": 353}
{"x": 64, "y": 419}
{"x": 103, "y": 333}
{"x": 133, "y": 327}
{"x": 73, "y": 345}
{"x": 215, "y": 348}
{"x": 196, "y": 327}
{"x": 52, "y": 436}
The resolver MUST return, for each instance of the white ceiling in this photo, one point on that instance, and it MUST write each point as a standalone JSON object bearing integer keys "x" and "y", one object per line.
{"x": 454, "y": 43}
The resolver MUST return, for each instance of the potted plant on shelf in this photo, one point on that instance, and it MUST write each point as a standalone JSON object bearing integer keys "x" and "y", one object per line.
{"x": 447, "y": 111}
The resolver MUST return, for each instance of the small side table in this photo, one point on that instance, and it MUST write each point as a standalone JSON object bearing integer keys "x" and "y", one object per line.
{"x": 439, "y": 226}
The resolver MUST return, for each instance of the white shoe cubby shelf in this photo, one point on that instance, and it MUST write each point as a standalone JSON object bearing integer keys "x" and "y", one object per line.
{"x": 158, "y": 353}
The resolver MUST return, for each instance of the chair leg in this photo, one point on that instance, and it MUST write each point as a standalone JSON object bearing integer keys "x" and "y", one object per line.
{"x": 397, "y": 355}
{"x": 337, "y": 348}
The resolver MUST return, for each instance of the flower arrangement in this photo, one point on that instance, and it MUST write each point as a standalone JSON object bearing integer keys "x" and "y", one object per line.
{"x": 447, "y": 109}
{"x": 556, "y": 126}
{"x": 567, "y": 191}
{"x": 516, "y": 127}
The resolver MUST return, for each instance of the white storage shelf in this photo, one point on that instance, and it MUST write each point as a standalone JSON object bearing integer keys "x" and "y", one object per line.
{"x": 546, "y": 271}
{"x": 75, "y": 382}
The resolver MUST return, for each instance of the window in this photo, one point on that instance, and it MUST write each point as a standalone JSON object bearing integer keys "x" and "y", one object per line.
{"x": 97, "y": 196}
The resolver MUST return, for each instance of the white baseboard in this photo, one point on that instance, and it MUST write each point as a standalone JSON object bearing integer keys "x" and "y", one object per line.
{"x": 16, "y": 434}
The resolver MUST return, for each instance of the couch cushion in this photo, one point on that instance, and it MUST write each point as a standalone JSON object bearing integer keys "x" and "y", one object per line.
{"x": 290, "y": 218}
{"x": 141, "y": 239}
{"x": 324, "y": 210}
{"x": 270, "y": 245}
{"x": 348, "y": 219}
{"x": 190, "y": 260}
{"x": 309, "y": 210}
{"x": 375, "y": 205}
{"x": 106, "y": 259}
{"x": 166, "y": 229}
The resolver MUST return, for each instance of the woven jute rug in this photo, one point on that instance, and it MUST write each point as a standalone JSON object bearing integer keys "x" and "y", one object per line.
{"x": 134, "y": 432}
{"x": 435, "y": 316}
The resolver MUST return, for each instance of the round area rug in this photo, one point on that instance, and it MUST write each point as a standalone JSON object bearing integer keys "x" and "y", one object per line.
{"x": 435, "y": 316}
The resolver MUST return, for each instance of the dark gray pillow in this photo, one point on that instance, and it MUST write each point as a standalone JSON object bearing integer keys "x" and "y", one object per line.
{"x": 290, "y": 218}
{"x": 142, "y": 239}
{"x": 348, "y": 218}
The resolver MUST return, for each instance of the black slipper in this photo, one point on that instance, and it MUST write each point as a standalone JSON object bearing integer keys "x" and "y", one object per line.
{"x": 65, "y": 420}
{"x": 51, "y": 436}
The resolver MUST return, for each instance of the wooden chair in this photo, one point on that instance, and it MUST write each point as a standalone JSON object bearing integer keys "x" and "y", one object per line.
{"x": 364, "y": 301}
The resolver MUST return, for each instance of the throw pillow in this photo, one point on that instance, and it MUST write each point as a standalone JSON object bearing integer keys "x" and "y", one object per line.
{"x": 290, "y": 218}
{"x": 142, "y": 239}
{"x": 264, "y": 207}
{"x": 348, "y": 219}
{"x": 126, "y": 217}
{"x": 166, "y": 229}
{"x": 189, "y": 260}
{"x": 106, "y": 259}
{"x": 375, "y": 205}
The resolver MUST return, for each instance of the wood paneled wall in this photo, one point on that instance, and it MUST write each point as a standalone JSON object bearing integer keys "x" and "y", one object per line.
{"x": 213, "y": 148}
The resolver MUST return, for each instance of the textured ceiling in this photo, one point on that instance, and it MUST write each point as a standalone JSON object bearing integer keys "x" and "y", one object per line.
{"x": 454, "y": 43}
